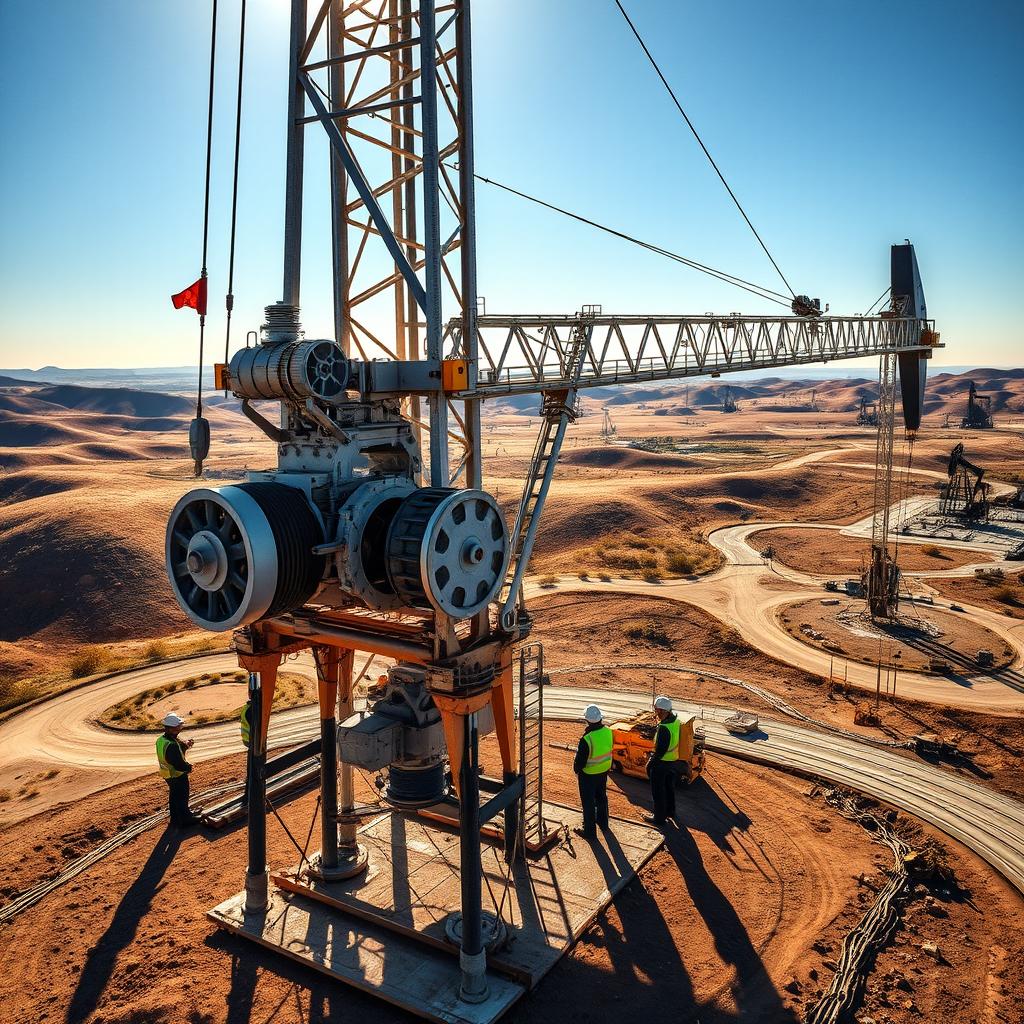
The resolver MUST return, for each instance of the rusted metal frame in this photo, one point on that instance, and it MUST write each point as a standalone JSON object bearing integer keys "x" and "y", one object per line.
{"x": 359, "y": 111}
{"x": 354, "y": 266}
{"x": 426, "y": 426}
{"x": 443, "y": 62}
{"x": 383, "y": 90}
{"x": 588, "y": 348}
{"x": 373, "y": 337}
{"x": 678, "y": 342}
{"x": 354, "y": 174}
{"x": 363, "y": 44}
{"x": 373, "y": 51}
{"x": 373, "y": 140}
{"x": 409, "y": 130}
{"x": 482, "y": 346}
{"x": 764, "y": 335}
{"x": 547, "y": 342}
{"x": 717, "y": 342}
{"x": 456, "y": 290}
{"x": 748, "y": 339}
{"x": 454, "y": 198}
{"x": 404, "y": 177}
{"x": 693, "y": 345}
{"x": 329, "y": 635}
{"x": 382, "y": 285}
{"x": 370, "y": 229}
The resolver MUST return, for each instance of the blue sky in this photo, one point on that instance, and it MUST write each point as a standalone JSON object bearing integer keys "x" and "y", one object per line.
{"x": 842, "y": 126}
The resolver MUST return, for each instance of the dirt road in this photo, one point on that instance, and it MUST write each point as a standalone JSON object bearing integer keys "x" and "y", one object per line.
{"x": 63, "y": 730}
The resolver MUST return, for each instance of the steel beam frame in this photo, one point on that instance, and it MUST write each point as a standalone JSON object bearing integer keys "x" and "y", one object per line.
{"x": 397, "y": 108}
{"x": 524, "y": 354}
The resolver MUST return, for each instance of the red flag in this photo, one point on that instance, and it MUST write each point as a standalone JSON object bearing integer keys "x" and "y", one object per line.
{"x": 193, "y": 296}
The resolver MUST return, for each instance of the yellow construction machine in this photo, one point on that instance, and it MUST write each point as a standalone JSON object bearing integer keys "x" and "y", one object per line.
{"x": 633, "y": 741}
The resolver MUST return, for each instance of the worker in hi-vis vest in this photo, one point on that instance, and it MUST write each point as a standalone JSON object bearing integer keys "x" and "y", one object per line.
{"x": 662, "y": 766}
{"x": 246, "y": 729}
{"x": 592, "y": 762}
{"x": 244, "y": 721}
{"x": 174, "y": 769}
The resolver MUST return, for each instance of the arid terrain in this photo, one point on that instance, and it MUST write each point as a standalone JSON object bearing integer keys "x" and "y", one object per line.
{"x": 647, "y": 576}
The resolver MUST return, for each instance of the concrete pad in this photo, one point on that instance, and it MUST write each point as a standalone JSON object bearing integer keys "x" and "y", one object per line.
{"x": 366, "y": 956}
{"x": 412, "y": 885}
{"x": 384, "y": 931}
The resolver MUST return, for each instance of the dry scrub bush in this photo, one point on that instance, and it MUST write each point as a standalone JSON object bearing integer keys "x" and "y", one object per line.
{"x": 1008, "y": 595}
{"x": 548, "y": 581}
{"x": 156, "y": 650}
{"x": 5, "y": 795}
{"x": 89, "y": 661}
{"x": 932, "y": 550}
{"x": 15, "y": 691}
{"x": 651, "y": 633}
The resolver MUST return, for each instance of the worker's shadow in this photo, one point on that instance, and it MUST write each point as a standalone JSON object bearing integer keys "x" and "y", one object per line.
{"x": 310, "y": 997}
{"x": 753, "y": 990}
{"x": 120, "y": 933}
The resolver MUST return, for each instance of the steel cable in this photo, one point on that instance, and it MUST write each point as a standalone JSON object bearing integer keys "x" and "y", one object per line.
{"x": 761, "y": 291}
{"x": 874, "y": 930}
{"x": 229, "y": 300}
{"x": 711, "y": 159}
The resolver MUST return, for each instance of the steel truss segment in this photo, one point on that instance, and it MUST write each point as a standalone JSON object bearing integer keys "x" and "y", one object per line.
{"x": 398, "y": 113}
{"x": 533, "y": 350}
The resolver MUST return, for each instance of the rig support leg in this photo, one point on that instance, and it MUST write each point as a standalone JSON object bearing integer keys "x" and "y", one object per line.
{"x": 352, "y": 857}
{"x": 327, "y": 690}
{"x": 262, "y": 682}
{"x": 472, "y": 958}
{"x": 340, "y": 855}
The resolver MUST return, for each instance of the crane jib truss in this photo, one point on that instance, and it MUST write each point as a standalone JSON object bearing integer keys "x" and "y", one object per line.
{"x": 524, "y": 354}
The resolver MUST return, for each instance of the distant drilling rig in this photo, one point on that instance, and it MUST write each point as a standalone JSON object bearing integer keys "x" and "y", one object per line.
{"x": 374, "y": 532}
{"x": 608, "y": 428}
{"x": 979, "y": 411}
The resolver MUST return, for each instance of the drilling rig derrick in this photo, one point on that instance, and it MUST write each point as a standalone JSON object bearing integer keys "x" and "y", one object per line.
{"x": 374, "y": 532}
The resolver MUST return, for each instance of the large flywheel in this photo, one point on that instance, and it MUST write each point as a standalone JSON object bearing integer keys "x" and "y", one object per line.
{"x": 448, "y": 549}
{"x": 241, "y": 553}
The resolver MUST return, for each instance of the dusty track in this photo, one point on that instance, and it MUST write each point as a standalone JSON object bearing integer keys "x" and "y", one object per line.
{"x": 747, "y": 595}
{"x": 990, "y": 824}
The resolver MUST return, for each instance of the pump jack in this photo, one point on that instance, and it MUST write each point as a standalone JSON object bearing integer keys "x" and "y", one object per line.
{"x": 965, "y": 494}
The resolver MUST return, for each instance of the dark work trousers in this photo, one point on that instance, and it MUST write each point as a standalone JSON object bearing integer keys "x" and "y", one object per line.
{"x": 663, "y": 789}
{"x": 178, "y": 792}
{"x": 594, "y": 798}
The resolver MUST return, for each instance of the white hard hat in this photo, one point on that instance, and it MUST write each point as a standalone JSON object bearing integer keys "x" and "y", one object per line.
{"x": 663, "y": 704}
{"x": 173, "y": 720}
{"x": 593, "y": 714}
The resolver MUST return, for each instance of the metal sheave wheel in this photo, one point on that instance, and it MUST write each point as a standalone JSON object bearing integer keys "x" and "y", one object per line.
{"x": 241, "y": 553}
{"x": 448, "y": 549}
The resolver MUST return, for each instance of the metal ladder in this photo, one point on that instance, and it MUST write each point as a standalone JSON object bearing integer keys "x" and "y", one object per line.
{"x": 558, "y": 409}
{"x": 531, "y": 743}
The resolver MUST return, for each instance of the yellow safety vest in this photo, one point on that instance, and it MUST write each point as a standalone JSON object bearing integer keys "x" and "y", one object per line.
{"x": 672, "y": 754}
{"x": 166, "y": 770}
{"x": 599, "y": 744}
{"x": 245, "y": 725}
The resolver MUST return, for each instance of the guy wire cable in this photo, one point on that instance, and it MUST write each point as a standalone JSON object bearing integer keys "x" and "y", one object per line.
{"x": 711, "y": 159}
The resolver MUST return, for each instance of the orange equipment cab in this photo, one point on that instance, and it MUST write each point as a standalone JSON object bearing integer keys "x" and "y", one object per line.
{"x": 633, "y": 741}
